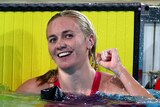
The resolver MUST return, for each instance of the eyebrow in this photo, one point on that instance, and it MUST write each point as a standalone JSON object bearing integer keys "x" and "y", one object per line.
{"x": 64, "y": 32}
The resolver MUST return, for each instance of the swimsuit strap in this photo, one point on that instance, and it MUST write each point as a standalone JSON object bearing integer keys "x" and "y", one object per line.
{"x": 56, "y": 83}
{"x": 95, "y": 85}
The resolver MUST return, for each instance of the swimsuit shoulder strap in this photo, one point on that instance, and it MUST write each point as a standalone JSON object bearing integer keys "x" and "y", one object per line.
{"x": 96, "y": 83}
{"x": 56, "y": 83}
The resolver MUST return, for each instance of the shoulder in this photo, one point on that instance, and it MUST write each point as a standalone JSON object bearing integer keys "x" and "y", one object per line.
{"x": 105, "y": 77}
{"x": 29, "y": 86}
{"x": 110, "y": 79}
{"x": 111, "y": 84}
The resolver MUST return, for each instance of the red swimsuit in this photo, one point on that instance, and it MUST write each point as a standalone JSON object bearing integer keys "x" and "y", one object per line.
{"x": 95, "y": 85}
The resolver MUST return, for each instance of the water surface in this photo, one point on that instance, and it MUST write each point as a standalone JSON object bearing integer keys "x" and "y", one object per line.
{"x": 12, "y": 99}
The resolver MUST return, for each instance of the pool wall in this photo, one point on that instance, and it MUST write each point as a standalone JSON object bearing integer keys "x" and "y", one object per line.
{"x": 23, "y": 45}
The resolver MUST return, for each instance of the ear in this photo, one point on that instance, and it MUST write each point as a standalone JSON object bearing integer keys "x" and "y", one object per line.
{"x": 90, "y": 42}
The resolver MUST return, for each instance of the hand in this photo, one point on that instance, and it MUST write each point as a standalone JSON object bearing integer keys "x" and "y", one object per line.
{"x": 110, "y": 60}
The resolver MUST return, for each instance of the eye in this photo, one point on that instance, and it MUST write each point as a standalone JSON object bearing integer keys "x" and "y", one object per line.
{"x": 52, "y": 39}
{"x": 69, "y": 36}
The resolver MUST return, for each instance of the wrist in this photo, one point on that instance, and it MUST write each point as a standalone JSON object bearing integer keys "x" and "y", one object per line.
{"x": 119, "y": 70}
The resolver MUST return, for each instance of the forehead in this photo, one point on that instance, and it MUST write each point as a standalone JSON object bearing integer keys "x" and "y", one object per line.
{"x": 61, "y": 24}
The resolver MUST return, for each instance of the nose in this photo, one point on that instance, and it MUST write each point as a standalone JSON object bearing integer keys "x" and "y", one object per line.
{"x": 61, "y": 45}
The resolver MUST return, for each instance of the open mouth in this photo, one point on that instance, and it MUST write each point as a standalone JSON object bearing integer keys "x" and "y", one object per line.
{"x": 64, "y": 54}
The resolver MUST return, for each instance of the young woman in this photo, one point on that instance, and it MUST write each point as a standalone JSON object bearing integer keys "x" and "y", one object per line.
{"x": 72, "y": 45}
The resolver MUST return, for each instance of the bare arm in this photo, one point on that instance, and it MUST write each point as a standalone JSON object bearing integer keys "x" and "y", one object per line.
{"x": 30, "y": 86}
{"x": 110, "y": 60}
{"x": 131, "y": 85}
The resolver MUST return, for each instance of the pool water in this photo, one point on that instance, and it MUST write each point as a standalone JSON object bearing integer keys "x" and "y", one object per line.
{"x": 12, "y": 99}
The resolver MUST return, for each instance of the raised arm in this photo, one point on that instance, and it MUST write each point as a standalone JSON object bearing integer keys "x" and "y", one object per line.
{"x": 110, "y": 60}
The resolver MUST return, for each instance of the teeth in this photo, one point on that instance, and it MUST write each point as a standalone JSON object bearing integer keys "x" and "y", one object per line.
{"x": 63, "y": 54}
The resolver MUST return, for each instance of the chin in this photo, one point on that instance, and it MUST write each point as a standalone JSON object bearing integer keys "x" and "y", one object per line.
{"x": 68, "y": 68}
{"x": 65, "y": 66}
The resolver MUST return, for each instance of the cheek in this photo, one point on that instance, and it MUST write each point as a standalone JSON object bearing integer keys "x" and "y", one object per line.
{"x": 81, "y": 47}
{"x": 51, "y": 50}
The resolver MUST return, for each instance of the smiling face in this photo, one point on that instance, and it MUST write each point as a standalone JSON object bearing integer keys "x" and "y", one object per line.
{"x": 67, "y": 44}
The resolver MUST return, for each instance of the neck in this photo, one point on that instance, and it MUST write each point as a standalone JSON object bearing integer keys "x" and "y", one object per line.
{"x": 77, "y": 80}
